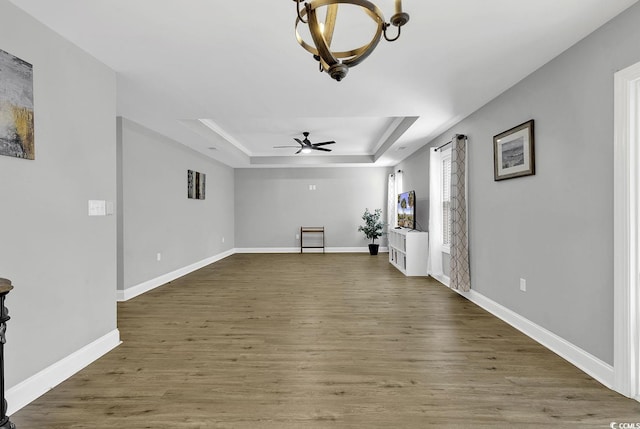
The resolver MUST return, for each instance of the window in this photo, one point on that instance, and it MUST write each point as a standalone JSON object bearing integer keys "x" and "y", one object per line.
{"x": 446, "y": 200}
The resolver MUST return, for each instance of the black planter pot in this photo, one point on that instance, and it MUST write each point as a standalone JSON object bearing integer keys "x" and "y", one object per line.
{"x": 373, "y": 249}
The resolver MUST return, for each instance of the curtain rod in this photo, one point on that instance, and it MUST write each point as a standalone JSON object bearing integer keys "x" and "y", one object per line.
{"x": 461, "y": 136}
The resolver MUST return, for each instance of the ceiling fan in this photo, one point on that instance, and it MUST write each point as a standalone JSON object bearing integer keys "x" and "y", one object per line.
{"x": 306, "y": 146}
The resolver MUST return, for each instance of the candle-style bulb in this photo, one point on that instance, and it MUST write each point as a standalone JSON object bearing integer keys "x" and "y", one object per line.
{"x": 398, "y": 6}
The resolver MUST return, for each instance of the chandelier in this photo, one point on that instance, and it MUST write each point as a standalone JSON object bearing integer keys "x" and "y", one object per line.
{"x": 337, "y": 64}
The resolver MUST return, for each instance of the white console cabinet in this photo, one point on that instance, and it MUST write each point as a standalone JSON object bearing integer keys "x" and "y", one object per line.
{"x": 409, "y": 251}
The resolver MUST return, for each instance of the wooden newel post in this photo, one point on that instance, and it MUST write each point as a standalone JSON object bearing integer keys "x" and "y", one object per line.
{"x": 5, "y": 288}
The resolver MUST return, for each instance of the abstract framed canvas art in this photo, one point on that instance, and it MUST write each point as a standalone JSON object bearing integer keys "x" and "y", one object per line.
{"x": 195, "y": 185}
{"x": 16, "y": 107}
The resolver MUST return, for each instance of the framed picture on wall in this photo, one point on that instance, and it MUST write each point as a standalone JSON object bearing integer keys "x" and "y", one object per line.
{"x": 16, "y": 107}
{"x": 513, "y": 154}
{"x": 195, "y": 185}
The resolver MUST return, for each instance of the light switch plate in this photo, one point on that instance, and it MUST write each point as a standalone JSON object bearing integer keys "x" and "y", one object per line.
{"x": 97, "y": 208}
{"x": 523, "y": 285}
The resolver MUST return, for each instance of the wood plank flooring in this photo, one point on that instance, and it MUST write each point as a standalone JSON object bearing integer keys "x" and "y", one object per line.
{"x": 320, "y": 341}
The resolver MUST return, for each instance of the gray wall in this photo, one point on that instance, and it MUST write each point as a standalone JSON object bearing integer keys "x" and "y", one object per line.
{"x": 62, "y": 262}
{"x": 157, "y": 216}
{"x": 272, "y": 204}
{"x": 416, "y": 178}
{"x": 554, "y": 229}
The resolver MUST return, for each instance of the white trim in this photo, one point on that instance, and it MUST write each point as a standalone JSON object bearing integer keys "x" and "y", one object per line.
{"x": 585, "y": 361}
{"x": 225, "y": 135}
{"x": 355, "y": 249}
{"x": 37, "y": 385}
{"x": 269, "y": 250}
{"x": 626, "y": 353}
{"x": 309, "y": 250}
{"x": 132, "y": 292}
{"x": 445, "y": 280}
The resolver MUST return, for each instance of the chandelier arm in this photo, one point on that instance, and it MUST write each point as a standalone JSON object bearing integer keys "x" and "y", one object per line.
{"x": 387, "y": 25}
{"x": 330, "y": 23}
{"x": 374, "y": 12}
{"x": 365, "y": 4}
{"x": 309, "y": 48}
{"x": 318, "y": 38}
{"x": 337, "y": 64}
{"x": 300, "y": 17}
{"x": 363, "y": 52}
{"x": 344, "y": 54}
{"x": 360, "y": 54}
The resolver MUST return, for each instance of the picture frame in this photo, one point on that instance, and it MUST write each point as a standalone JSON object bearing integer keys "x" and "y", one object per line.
{"x": 16, "y": 107}
{"x": 513, "y": 152}
{"x": 196, "y": 185}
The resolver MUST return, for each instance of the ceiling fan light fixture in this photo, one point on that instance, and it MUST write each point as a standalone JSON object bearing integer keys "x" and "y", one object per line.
{"x": 305, "y": 146}
{"x": 337, "y": 64}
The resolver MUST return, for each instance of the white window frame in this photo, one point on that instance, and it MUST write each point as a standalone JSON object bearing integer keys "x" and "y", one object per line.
{"x": 626, "y": 237}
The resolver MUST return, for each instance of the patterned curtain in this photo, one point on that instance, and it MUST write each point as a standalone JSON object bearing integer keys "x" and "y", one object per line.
{"x": 460, "y": 277}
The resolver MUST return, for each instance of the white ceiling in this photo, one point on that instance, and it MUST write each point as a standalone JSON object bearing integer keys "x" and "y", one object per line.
{"x": 237, "y": 66}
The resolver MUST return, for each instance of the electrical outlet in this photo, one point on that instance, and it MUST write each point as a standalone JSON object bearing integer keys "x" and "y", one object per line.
{"x": 297, "y": 236}
{"x": 158, "y": 256}
{"x": 523, "y": 285}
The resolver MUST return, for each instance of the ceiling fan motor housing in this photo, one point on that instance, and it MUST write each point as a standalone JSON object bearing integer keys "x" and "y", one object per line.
{"x": 306, "y": 146}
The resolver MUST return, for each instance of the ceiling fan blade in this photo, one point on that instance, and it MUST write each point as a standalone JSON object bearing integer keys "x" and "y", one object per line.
{"x": 322, "y": 149}
{"x": 298, "y": 140}
{"x": 323, "y": 143}
{"x": 300, "y": 150}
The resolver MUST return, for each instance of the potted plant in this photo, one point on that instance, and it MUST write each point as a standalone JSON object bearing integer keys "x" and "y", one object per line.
{"x": 372, "y": 228}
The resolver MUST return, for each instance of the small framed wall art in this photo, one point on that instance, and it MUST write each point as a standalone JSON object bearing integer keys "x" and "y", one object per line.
{"x": 16, "y": 107}
{"x": 195, "y": 185}
{"x": 513, "y": 154}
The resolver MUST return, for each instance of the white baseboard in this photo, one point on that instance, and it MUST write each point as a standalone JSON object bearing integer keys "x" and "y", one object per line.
{"x": 442, "y": 279}
{"x": 268, "y": 250}
{"x": 132, "y": 292}
{"x": 308, "y": 250}
{"x": 591, "y": 365}
{"x": 355, "y": 249}
{"x": 37, "y": 385}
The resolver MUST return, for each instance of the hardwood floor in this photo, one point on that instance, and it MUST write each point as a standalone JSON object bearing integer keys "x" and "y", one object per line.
{"x": 320, "y": 341}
